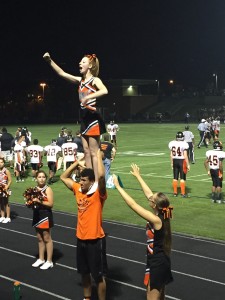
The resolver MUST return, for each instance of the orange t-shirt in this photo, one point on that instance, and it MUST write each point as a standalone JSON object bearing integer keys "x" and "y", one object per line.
{"x": 89, "y": 219}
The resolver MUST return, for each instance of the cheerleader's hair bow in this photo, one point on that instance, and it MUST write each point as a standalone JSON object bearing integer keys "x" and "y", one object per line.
{"x": 167, "y": 212}
{"x": 91, "y": 56}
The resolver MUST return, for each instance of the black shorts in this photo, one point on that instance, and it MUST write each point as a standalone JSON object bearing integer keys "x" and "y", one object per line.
{"x": 91, "y": 258}
{"x": 52, "y": 165}
{"x": 35, "y": 167}
{"x": 216, "y": 181}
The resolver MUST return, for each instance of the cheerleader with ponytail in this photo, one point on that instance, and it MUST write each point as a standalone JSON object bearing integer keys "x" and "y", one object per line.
{"x": 90, "y": 88}
{"x": 158, "y": 267}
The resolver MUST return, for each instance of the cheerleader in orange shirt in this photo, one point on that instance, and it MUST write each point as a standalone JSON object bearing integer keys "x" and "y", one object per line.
{"x": 90, "y": 88}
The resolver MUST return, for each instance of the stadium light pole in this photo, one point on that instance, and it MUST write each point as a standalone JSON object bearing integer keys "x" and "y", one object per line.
{"x": 215, "y": 75}
{"x": 157, "y": 85}
{"x": 43, "y": 85}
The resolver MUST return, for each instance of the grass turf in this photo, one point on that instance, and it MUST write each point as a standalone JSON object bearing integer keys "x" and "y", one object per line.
{"x": 147, "y": 146}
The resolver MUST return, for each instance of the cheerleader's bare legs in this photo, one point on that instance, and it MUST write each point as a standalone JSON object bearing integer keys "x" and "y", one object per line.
{"x": 91, "y": 146}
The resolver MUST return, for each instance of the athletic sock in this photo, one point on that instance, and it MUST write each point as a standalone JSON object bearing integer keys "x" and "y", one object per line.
{"x": 182, "y": 187}
{"x": 175, "y": 186}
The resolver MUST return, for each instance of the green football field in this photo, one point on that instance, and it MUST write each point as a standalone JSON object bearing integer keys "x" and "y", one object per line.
{"x": 147, "y": 146}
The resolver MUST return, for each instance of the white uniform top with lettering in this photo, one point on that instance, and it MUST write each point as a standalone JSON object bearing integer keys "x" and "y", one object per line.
{"x": 214, "y": 157}
{"x": 177, "y": 149}
{"x": 112, "y": 129}
{"x": 69, "y": 151}
{"x": 35, "y": 153}
{"x": 52, "y": 151}
{"x": 19, "y": 154}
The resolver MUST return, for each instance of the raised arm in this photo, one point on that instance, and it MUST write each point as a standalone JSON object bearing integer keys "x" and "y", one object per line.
{"x": 59, "y": 70}
{"x": 146, "y": 189}
{"x": 66, "y": 175}
{"x": 101, "y": 174}
{"x": 142, "y": 212}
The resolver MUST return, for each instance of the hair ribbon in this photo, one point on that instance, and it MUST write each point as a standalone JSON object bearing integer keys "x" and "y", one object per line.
{"x": 167, "y": 212}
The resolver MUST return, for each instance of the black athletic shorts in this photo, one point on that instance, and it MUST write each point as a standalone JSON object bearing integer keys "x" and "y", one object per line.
{"x": 91, "y": 258}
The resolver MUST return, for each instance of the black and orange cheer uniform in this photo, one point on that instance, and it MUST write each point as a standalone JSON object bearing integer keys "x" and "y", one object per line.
{"x": 158, "y": 267}
{"x": 92, "y": 123}
{"x": 42, "y": 215}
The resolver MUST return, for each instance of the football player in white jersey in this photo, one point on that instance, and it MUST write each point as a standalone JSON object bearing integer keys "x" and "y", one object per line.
{"x": 35, "y": 153}
{"x": 52, "y": 152}
{"x": 19, "y": 159}
{"x": 69, "y": 152}
{"x": 214, "y": 167}
{"x": 179, "y": 163}
{"x": 112, "y": 130}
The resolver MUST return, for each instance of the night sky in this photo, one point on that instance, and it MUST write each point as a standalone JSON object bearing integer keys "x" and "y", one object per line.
{"x": 177, "y": 39}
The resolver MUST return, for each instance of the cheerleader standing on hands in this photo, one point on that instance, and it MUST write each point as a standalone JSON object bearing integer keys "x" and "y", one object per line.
{"x": 90, "y": 88}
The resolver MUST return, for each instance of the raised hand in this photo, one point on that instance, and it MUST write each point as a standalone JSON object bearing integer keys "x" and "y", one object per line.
{"x": 135, "y": 170}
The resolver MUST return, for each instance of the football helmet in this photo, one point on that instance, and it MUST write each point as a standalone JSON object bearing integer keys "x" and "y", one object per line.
{"x": 217, "y": 145}
{"x": 180, "y": 136}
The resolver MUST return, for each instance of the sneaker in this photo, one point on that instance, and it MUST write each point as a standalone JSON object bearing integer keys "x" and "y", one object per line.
{"x": 217, "y": 201}
{"x": 47, "y": 265}
{"x": 2, "y": 219}
{"x": 38, "y": 263}
{"x": 183, "y": 195}
{"x": 175, "y": 195}
{"x": 6, "y": 220}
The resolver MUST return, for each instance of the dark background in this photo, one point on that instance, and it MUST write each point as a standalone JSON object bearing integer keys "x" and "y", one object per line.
{"x": 179, "y": 40}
